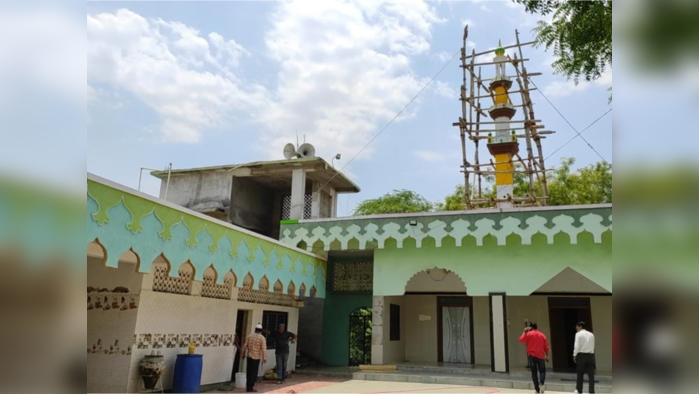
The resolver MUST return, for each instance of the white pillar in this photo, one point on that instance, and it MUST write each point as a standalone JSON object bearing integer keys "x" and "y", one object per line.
{"x": 298, "y": 194}
{"x": 498, "y": 332}
{"x": 377, "y": 331}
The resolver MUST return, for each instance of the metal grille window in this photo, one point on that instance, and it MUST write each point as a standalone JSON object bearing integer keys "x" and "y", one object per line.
{"x": 271, "y": 322}
{"x": 307, "y": 208}
{"x": 326, "y": 205}
{"x": 163, "y": 283}
{"x": 355, "y": 277}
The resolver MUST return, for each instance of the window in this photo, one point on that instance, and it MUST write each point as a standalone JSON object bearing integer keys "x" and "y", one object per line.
{"x": 307, "y": 207}
{"x": 395, "y": 322}
{"x": 271, "y": 322}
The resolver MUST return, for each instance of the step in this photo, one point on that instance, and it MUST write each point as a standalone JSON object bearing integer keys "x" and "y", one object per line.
{"x": 472, "y": 381}
{"x": 487, "y": 373}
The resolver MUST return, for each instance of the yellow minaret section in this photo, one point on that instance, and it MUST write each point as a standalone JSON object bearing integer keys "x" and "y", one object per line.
{"x": 503, "y": 145}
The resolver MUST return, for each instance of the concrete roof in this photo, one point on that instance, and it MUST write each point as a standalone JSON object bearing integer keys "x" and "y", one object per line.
{"x": 274, "y": 173}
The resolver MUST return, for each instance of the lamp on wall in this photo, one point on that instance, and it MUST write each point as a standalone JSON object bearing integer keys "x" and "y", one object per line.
{"x": 337, "y": 157}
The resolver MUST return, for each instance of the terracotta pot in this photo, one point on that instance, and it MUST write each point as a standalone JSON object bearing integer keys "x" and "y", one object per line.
{"x": 151, "y": 369}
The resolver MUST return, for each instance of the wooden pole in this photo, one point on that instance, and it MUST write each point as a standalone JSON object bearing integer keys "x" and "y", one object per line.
{"x": 537, "y": 141}
{"x": 467, "y": 192}
{"x": 507, "y": 47}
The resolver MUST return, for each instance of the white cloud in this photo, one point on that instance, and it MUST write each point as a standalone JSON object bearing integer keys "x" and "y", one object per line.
{"x": 345, "y": 70}
{"x": 90, "y": 94}
{"x": 467, "y": 22}
{"x": 564, "y": 88}
{"x": 429, "y": 156}
{"x": 443, "y": 89}
{"x": 172, "y": 69}
{"x": 485, "y": 8}
{"x": 444, "y": 56}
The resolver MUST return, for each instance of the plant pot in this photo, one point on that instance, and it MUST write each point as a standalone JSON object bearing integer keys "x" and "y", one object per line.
{"x": 151, "y": 369}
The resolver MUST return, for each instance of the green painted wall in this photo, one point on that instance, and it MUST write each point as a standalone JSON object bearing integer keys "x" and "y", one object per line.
{"x": 336, "y": 312}
{"x": 336, "y": 325}
{"x": 518, "y": 270}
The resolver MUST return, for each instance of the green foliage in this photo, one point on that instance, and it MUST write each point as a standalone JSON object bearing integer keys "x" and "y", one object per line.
{"x": 580, "y": 35}
{"x": 588, "y": 185}
{"x": 399, "y": 201}
{"x": 454, "y": 201}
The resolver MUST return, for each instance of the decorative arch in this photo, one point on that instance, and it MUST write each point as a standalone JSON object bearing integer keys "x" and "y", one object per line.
{"x": 248, "y": 282}
{"x": 302, "y": 290}
{"x": 264, "y": 284}
{"x": 436, "y": 280}
{"x": 291, "y": 290}
{"x": 314, "y": 292}
{"x": 230, "y": 275}
{"x": 278, "y": 287}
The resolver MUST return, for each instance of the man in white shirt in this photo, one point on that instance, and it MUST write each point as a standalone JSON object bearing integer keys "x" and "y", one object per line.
{"x": 584, "y": 356}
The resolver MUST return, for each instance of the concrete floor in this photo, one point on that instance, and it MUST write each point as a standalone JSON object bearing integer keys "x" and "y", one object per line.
{"x": 364, "y": 387}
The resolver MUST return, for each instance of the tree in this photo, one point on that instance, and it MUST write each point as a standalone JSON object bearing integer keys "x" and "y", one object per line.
{"x": 399, "y": 201}
{"x": 588, "y": 185}
{"x": 580, "y": 34}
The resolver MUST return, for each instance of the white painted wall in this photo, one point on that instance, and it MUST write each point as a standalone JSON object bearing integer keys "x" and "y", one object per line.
{"x": 108, "y": 373}
{"x": 602, "y": 325}
{"x": 421, "y": 334}
{"x": 163, "y": 314}
{"x": 481, "y": 330}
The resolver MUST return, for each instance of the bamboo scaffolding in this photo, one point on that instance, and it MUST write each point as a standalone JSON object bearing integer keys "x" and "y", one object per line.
{"x": 473, "y": 90}
{"x": 507, "y": 47}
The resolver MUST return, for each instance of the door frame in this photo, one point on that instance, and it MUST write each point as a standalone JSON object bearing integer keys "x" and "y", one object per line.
{"x": 562, "y": 303}
{"x": 465, "y": 302}
{"x": 349, "y": 342}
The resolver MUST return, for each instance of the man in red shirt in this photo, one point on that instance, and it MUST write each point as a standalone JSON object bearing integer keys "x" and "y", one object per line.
{"x": 538, "y": 353}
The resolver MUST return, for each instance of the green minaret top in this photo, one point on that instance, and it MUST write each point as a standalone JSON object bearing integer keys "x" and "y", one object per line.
{"x": 500, "y": 51}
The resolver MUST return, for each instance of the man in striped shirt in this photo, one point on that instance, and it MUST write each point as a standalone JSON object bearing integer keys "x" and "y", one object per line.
{"x": 255, "y": 349}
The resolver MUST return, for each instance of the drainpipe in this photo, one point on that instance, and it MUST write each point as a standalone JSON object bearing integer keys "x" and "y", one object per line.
{"x": 140, "y": 176}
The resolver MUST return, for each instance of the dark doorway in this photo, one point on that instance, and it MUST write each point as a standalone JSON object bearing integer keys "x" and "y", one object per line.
{"x": 360, "y": 337}
{"x": 241, "y": 331}
{"x": 564, "y": 315}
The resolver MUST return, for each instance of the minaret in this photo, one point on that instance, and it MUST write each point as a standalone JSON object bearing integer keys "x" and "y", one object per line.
{"x": 503, "y": 145}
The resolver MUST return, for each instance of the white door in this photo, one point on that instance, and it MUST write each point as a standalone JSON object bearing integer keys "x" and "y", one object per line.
{"x": 456, "y": 335}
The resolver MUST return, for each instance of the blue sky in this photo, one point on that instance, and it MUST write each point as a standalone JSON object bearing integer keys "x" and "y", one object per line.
{"x": 201, "y": 84}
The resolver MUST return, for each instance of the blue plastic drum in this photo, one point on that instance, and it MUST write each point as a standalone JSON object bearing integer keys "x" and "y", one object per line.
{"x": 188, "y": 373}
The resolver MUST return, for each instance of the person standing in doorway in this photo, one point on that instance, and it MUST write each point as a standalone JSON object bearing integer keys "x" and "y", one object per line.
{"x": 584, "y": 357}
{"x": 255, "y": 349}
{"x": 538, "y": 354}
{"x": 282, "y": 338}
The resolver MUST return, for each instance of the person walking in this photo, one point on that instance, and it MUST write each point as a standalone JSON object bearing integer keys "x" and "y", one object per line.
{"x": 538, "y": 354}
{"x": 584, "y": 357}
{"x": 282, "y": 338}
{"x": 255, "y": 349}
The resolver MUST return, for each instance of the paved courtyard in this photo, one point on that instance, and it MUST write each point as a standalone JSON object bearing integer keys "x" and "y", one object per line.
{"x": 329, "y": 385}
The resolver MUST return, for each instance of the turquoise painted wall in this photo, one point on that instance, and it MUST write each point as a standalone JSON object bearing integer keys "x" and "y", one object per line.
{"x": 336, "y": 325}
{"x": 518, "y": 270}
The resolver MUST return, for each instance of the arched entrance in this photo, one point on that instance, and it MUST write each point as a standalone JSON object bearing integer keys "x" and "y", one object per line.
{"x": 360, "y": 337}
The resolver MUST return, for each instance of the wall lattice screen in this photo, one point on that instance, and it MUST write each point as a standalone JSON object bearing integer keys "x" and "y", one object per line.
{"x": 355, "y": 277}
{"x": 307, "y": 207}
{"x": 264, "y": 296}
{"x": 211, "y": 290}
{"x": 163, "y": 283}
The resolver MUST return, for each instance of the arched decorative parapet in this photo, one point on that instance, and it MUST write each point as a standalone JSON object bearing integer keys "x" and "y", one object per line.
{"x": 436, "y": 280}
